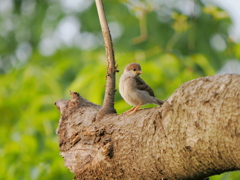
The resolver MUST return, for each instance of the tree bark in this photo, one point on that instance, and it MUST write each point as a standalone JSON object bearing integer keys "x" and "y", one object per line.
{"x": 193, "y": 135}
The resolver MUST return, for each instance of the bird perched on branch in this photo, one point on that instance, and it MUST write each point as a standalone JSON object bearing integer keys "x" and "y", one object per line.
{"x": 134, "y": 90}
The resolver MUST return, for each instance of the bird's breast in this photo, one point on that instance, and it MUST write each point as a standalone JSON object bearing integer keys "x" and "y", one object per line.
{"x": 127, "y": 88}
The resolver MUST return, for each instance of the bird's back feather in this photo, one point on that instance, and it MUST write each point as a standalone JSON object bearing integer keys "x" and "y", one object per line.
{"x": 142, "y": 85}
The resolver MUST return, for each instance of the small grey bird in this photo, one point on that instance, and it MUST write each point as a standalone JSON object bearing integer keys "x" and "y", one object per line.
{"x": 134, "y": 90}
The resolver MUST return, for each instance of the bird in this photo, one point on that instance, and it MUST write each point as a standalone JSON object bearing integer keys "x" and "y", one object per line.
{"x": 135, "y": 90}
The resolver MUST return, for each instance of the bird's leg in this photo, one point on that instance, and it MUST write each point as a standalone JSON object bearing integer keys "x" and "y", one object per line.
{"x": 133, "y": 110}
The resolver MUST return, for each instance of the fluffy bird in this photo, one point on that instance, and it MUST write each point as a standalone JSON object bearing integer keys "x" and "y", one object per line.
{"x": 134, "y": 90}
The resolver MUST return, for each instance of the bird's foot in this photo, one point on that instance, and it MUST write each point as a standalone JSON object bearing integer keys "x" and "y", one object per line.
{"x": 133, "y": 110}
{"x": 130, "y": 110}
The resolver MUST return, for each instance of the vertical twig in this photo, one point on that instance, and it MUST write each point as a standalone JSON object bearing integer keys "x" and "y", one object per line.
{"x": 108, "y": 103}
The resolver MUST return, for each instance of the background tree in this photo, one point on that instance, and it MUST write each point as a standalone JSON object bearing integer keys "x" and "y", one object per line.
{"x": 50, "y": 47}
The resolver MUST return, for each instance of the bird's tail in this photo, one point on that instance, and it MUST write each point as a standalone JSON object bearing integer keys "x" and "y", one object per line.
{"x": 159, "y": 102}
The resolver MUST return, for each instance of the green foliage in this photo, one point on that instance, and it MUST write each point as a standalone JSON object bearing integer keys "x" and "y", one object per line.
{"x": 215, "y": 12}
{"x": 28, "y": 123}
{"x": 235, "y": 175}
{"x": 35, "y": 73}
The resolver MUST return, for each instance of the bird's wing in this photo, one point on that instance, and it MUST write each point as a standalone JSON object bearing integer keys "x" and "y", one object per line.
{"x": 141, "y": 85}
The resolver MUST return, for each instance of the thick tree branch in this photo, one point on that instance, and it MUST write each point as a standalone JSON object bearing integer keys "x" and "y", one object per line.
{"x": 108, "y": 103}
{"x": 195, "y": 134}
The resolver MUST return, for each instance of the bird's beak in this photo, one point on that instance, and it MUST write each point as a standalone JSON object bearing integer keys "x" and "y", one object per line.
{"x": 138, "y": 72}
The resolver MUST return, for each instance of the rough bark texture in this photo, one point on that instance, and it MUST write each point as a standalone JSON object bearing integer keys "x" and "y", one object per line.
{"x": 195, "y": 134}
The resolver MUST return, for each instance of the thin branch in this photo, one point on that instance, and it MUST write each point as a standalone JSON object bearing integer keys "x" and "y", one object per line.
{"x": 108, "y": 103}
{"x": 143, "y": 28}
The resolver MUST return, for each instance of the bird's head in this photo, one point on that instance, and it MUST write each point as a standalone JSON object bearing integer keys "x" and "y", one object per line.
{"x": 133, "y": 70}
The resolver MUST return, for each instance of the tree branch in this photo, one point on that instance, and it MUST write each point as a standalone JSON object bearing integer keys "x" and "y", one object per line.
{"x": 108, "y": 103}
{"x": 195, "y": 134}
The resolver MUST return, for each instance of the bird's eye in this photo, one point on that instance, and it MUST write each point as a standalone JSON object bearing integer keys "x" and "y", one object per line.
{"x": 134, "y": 69}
